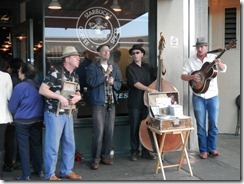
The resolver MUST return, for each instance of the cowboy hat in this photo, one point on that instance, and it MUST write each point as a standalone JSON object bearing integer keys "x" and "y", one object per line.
{"x": 201, "y": 42}
{"x": 69, "y": 51}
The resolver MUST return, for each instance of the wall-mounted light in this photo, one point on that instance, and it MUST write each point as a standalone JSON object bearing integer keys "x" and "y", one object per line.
{"x": 8, "y": 42}
{"x": 6, "y": 45}
{"x": 54, "y": 5}
{"x": 4, "y": 49}
{"x": 39, "y": 45}
{"x": 21, "y": 37}
{"x": 115, "y": 6}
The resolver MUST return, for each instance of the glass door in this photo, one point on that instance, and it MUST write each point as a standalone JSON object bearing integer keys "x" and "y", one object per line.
{"x": 22, "y": 41}
{"x": 88, "y": 24}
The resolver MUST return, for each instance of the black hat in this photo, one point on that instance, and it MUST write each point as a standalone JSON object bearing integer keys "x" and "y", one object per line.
{"x": 137, "y": 47}
{"x": 101, "y": 46}
{"x": 201, "y": 42}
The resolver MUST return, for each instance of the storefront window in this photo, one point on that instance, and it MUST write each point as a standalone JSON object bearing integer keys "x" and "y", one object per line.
{"x": 88, "y": 24}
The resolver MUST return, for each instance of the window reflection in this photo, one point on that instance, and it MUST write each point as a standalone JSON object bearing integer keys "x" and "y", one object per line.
{"x": 60, "y": 29}
{"x": 86, "y": 25}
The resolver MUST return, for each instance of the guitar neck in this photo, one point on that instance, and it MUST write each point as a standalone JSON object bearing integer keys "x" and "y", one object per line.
{"x": 214, "y": 61}
{"x": 159, "y": 73}
{"x": 160, "y": 61}
{"x": 221, "y": 53}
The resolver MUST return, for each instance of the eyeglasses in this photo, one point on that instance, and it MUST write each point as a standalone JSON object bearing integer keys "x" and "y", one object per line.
{"x": 134, "y": 53}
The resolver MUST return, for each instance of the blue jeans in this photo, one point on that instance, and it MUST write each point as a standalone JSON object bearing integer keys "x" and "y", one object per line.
{"x": 207, "y": 140}
{"x": 102, "y": 132}
{"x": 59, "y": 131}
{"x": 136, "y": 116}
{"x": 29, "y": 138}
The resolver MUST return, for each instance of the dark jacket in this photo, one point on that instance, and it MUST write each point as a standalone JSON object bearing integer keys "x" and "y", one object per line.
{"x": 96, "y": 83}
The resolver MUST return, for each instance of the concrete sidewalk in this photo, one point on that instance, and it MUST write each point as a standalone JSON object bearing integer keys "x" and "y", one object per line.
{"x": 226, "y": 167}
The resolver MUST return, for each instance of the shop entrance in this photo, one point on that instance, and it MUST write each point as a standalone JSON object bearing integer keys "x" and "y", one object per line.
{"x": 22, "y": 41}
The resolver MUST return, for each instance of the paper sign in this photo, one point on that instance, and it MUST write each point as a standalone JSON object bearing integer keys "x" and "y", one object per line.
{"x": 163, "y": 102}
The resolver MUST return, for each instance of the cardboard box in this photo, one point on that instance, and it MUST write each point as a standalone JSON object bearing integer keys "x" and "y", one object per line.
{"x": 162, "y": 100}
{"x": 176, "y": 110}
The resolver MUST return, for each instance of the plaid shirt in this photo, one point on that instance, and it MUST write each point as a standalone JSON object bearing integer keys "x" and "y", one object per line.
{"x": 109, "y": 98}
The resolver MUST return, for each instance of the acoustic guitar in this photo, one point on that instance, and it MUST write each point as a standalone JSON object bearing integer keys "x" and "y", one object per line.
{"x": 207, "y": 72}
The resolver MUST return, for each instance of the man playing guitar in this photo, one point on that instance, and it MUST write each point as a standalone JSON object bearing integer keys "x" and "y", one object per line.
{"x": 205, "y": 104}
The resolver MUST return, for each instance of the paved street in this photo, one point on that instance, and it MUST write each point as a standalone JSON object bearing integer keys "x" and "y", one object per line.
{"x": 226, "y": 167}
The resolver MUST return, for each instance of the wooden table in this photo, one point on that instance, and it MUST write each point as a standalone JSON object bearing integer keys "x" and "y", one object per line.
{"x": 159, "y": 144}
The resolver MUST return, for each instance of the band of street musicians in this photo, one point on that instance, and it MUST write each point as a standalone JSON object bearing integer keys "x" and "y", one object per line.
{"x": 32, "y": 106}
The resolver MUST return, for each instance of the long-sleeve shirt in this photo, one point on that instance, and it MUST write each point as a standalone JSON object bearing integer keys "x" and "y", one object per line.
{"x": 193, "y": 64}
{"x": 26, "y": 103}
{"x": 6, "y": 88}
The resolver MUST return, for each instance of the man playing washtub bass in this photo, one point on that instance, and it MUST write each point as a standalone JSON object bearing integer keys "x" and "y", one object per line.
{"x": 59, "y": 125}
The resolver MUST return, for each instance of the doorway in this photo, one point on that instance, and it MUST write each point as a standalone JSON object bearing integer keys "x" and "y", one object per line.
{"x": 22, "y": 41}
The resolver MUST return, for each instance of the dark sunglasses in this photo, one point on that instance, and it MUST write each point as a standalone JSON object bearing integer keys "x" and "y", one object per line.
{"x": 134, "y": 53}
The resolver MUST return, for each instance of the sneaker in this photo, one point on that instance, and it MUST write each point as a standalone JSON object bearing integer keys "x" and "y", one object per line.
{"x": 23, "y": 178}
{"x": 8, "y": 169}
{"x": 149, "y": 156}
{"x": 17, "y": 166}
{"x": 134, "y": 157}
{"x": 37, "y": 173}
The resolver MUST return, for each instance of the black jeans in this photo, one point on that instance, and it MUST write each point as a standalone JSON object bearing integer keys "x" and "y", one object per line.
{"x": 2, "y": 132}
{"x": 10, "y": 145}
{"x": 136, "y": 116}
{"x": 29, "y": 138}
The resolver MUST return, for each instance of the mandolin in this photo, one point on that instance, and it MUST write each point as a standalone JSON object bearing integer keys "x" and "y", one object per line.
{"x": 207, "y": 72}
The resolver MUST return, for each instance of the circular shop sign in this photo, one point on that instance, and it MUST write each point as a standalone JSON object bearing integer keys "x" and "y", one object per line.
{"x": 97, "y": 26}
